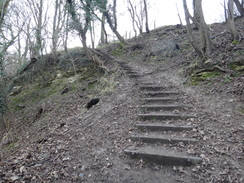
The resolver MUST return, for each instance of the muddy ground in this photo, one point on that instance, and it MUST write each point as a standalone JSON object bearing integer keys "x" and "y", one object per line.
{"x": 73, "y": 144}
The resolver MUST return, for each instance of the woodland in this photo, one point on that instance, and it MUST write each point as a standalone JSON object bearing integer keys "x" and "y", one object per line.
{"x": 47, "y": 88}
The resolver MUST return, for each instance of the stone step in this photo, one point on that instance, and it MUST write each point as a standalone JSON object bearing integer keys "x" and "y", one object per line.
{"x": 161, "y": 139}
{"x": 153, "y": 88}
{"x": 161, "y": 107}
{"x": 159, "y": 100}
{"x": 162, "y": 116}
{"x": 160, "y": 93}
{"x": 163, "y": 157}
{"x": 162, "y": 127}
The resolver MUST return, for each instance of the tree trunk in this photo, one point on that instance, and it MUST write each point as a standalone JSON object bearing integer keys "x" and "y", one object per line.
{"x": 92, "y": 34}
{"x": 207, "y": 45}
{"x": 66, "y": 35}
{"x": 178, "y": 13}
{"x": 2, "y": 105}
{"x": 115, "y": 14}
{"x": 55, "y": 31}
{"x": 231, "y": 21}
{"x": 104, "y": 36}
{"x": 107, "y": 16}
{"x": 226, "y": 16}
{"x": 132, "y": 14}
{"x": 146, "y": 14}
{"x": 82, "y": 29}
{"x": 193, "y": 41}
{"x": 3, "y": 8}
{"x": 240, "y": 7}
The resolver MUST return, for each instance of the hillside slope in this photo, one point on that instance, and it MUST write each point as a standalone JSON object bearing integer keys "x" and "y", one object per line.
{"x": 52, "y": 137}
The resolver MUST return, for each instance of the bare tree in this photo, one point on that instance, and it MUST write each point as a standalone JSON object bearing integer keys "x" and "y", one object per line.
{"x": 92, "y": 33}
{"x": 104, "y": 35}
{"x": 131, "y": 10}
{"x": 8, "y": 35}
{"x": 3, "y": 9}
{"x": 139, "y": 15}
{"x": 85, "y": 14}
{"x": 59, "y": 21}
{"x": 103, "y": 7}
{"x": 231, "y": 21}
{"x": 206, "y": 43}
{"x": 40, "y": 18}
{"x": 66, "y": 31}
{"x": 240, "y": 6}
{"x": 178, "y": 13}
{"x": 114, "y": 9}
{"x": 146, "y": 15}
{"x": 193, "y": 40}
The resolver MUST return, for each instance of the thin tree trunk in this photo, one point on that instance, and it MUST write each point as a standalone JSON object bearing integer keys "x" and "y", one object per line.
{"x": 65, "y": 43}
{"x": 121, "y": 39}
{"x": 115, "y": 14}
{"x": 132, "y": 14}
{"x": 146, "y": 14}
{"x": 55, "y": 31}
{"x": 3, "y": 8}
{"x": 207, "y": 45}
{"x": 240, "y": 7}
{"x": 231, "y": 21}
{"x": 104, "y": 35}
{"x": 189, "y": 31}
{"x": 226, "y": 16}
{"x": 178, "y": 14}
{"x": 82, "y": 30}
{"x": 92, "y": 34}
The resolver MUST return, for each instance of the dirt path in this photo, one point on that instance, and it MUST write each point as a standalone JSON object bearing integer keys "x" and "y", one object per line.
{"x": 87, "y": 146}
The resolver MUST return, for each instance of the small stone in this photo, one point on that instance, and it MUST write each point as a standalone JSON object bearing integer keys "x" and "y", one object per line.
{"x": 109, "y": 165}
{"x": 14, "y": 177}
{"x": 81, "y": 175}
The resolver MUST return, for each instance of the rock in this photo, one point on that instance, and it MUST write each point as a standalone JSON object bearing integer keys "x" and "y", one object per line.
{"x": 14, "y": 178}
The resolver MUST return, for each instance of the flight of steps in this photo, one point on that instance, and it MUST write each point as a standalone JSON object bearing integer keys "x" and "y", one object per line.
{"x": 155, "y": 137}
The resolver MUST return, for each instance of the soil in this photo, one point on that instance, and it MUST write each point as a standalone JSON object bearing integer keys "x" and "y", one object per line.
{"x": 73, "y": 144}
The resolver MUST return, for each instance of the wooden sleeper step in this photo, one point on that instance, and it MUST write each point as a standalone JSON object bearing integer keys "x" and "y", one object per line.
{"x": 161, "y": 107}
{"x": 161, "y": 127}
{"x": 152, "y": 88}
{"x": 160, "y": 93}
{"x": 162, "y": 116}
{"x": 163, "y": 157}
{"x": 159, "y": 100}
{"x": 161, "y": 139}
{"x": 134, "y": 75}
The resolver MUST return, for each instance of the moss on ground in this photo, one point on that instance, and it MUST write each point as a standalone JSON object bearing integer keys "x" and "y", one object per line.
{"x": 203, "y": 76}
{"x": 237, "y": 66}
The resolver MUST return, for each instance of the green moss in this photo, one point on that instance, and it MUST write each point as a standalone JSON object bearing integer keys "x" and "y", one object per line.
{"x": 119, "y": 50}
{"x": 237, "y": 66}
{"x": 203, "y": 76}
{"x": 236, "y": 42}
{"x": 242, "y": 111}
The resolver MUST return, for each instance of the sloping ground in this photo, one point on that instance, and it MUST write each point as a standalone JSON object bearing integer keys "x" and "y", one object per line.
{"x": 68, "y": 143}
